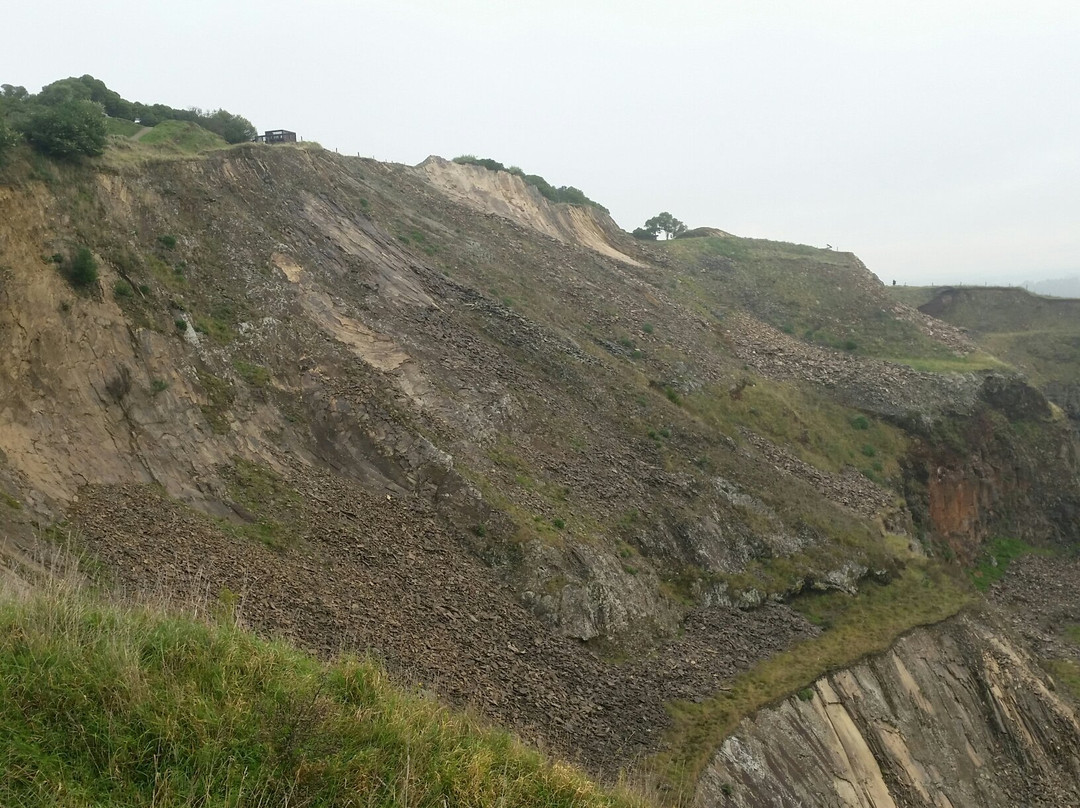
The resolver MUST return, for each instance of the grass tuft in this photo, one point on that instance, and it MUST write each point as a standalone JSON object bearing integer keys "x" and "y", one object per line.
{"x": 110, "y": 705}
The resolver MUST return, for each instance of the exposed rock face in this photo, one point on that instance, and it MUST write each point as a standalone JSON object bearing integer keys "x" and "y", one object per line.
{"x": 75, "y": 380}
{"x": 968, "y": 479}
{"x": 504, "y": 194}
{"x": 955, "y": 715}
{"x": 1066, "y": 396}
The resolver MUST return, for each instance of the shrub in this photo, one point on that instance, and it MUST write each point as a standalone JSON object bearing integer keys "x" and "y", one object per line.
{"x": 158, "y": 386}
{"x": 83, "y": 269}
{"x": 869, "y": 450}
{"x": 255, "y": 375}
{"x": 122, "y": 289}
{"x": 167, "y": 241}
{"x": 233, "y": 128}
{"x": 8, "y": 139}
{"x": 181, "y": 324}
{"x": 68, "y": 130}
{"x": 860, "y": 422}
{"x": 120, "y": 384}
{"x": 647, "y": 328}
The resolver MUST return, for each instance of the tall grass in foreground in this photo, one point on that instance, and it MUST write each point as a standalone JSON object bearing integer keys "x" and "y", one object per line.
{"x": 127, "y": 706}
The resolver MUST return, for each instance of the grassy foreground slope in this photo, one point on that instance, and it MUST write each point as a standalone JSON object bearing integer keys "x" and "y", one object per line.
{"x": 108, "y": 705}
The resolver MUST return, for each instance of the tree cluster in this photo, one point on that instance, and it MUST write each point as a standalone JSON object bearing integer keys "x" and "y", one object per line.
{"x": 57, "y": 123}
{"x": 67, "y": 118}
{"x": 660, "y": 223}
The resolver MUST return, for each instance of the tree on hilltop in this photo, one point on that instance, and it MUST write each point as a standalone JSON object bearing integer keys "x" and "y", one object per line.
{"x": 660, "y": 223}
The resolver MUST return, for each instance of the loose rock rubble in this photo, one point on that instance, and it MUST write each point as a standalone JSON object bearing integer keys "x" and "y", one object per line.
{"x": 369, "y": 577}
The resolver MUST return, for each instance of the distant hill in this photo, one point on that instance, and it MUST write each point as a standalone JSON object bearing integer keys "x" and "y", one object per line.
{"x": 1058, "y": 287}
{"x": 1039, "y": 335}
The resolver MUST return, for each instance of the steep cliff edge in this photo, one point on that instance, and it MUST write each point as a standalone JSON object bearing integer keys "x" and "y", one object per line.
{"x": 504, "y": 194}
{"x": 959, "y": 714}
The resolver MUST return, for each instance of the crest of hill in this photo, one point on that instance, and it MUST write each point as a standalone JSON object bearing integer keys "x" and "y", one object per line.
{"x": 507, "y": 194}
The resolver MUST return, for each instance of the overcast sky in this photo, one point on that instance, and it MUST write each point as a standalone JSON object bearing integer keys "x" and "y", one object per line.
{"x": 938, "y": 140}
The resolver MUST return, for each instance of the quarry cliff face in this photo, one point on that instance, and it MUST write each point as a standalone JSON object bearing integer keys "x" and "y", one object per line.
{"x": 957, "y": 714}
{"x": 597, "y": 469}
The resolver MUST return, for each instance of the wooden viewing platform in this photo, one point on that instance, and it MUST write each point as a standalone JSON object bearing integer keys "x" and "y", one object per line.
{"x": 276, "y": 136}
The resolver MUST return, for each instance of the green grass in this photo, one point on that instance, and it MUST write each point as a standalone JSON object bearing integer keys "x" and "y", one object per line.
{"x": 221, "y": 395}
{"x": 1067, "y": 674}
{"x": 823, "y": 297}
{"x": 954, "y": 364}
{"x": 109, "y": 705}
{"x": 118, "y": 126}
{"x": 1045, "y": 356}
{"x": 995, "y": 560}
{"x": 855, "y": 626}
{"x": 913, "y": 296}
{"x": 254, "y": 375}
{"x": 216, "y": 328}
{"x": 182, "y": 136}
{"x": 1038, "y": 335}
{"x": 819, "y": 432}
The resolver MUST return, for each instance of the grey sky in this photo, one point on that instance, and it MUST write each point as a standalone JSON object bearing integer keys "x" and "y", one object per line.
{"x": 938, "y": 140}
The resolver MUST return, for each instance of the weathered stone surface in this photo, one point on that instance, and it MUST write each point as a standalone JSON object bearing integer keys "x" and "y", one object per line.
{"x": 960, "y": 714}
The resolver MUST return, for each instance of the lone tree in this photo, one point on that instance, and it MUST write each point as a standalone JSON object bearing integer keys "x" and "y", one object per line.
{"x": 660, "y": 223}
